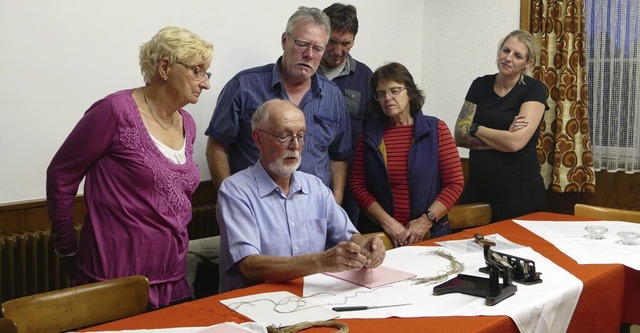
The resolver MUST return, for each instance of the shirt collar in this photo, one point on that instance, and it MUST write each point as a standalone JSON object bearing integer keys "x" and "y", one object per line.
{"x": 349, "y": 66}
{"x": 266, "y": 185}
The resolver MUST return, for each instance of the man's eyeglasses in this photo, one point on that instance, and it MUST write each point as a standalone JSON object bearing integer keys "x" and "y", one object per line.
{"x": 286, "y": 140}
{"x": 380, "y": 95}
{"x": 197, "y": 71}
{"x": 302, "y": 46}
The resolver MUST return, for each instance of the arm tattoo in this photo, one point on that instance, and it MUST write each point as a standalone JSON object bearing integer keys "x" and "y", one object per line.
{"x": 461, "y": 134}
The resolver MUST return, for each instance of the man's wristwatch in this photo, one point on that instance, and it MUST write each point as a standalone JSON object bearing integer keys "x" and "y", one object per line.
{"x": 432, "y": 217}
{"x": 473, "y": 129}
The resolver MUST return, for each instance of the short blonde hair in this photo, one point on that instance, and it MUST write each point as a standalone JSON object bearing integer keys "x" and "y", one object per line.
{"x": 178, "y": 44}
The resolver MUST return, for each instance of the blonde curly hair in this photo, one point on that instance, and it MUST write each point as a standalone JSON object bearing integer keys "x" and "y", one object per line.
{"x": 178, "y": 44}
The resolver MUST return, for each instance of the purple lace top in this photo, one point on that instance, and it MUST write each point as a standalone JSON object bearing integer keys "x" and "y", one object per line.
{"x": 138, "y": 201}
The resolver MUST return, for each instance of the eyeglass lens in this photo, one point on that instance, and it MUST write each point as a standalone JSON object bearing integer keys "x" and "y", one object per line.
{"x": 303, "y": 46}
{"x": 287, "y": 140}
{"x": 197, "y": 71}
{"x": 380, "y": 95}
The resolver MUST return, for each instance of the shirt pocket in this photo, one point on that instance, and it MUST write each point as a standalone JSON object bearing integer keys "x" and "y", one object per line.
{"x": 316, "y": 234}
{"x": 353, "y": 97}
{"x": 324, "y": 131}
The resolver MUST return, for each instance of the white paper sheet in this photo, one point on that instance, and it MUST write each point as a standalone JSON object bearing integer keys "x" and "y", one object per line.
{"x": 280, "y": 308}
{"x": 546, "y": 307}
{"x": 569, "y": 238}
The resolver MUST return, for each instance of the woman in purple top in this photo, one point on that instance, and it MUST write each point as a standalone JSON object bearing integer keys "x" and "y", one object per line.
{"x": 134, "y": 148}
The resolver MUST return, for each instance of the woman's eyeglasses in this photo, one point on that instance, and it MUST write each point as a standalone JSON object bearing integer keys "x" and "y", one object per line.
{"x": 197, "y": 71}
{"x": 380, "y": 95}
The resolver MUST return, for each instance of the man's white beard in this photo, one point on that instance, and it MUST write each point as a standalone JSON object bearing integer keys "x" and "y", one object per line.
{"x": 279, "y": 168}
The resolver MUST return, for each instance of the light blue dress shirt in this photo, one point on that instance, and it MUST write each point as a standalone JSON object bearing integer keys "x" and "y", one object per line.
{"x": 255, "y": 217}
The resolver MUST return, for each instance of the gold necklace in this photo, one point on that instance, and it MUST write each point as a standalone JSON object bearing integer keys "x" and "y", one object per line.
{"x": 144, "y": 92}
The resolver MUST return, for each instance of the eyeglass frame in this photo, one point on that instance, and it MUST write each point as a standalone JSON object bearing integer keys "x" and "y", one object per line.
{"x": 387, "y": 92}
{"x": 287, "y": 140}
{"x": 197, "y": 68}
{"x": 303, "y": 46}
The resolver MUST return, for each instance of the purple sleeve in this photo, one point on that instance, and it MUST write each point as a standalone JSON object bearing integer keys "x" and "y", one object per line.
{"x": 87, "y": 142}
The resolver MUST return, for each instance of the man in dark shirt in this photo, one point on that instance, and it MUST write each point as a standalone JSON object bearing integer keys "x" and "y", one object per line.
{"x": 351, "y": 76}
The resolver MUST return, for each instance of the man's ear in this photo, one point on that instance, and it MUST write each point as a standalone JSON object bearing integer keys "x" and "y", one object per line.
{"x": 257, "y": 140}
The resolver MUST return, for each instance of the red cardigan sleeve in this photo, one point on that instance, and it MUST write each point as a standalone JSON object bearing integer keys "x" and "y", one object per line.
{"x": 451, "y": 176}
{"x": 358, "y": 180}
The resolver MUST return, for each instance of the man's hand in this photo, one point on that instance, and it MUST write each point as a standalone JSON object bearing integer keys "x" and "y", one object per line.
{"x": 346, "y": 256}
{"x": 374, "y": 251}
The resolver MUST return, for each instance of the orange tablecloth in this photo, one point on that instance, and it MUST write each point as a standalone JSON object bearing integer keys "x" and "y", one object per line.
{"x": 609, "y": 297}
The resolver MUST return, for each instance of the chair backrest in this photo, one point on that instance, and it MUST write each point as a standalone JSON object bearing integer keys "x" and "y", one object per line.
{"x": 605, "y": 213}
{"x": 385, "y": 239}
{"x": 80, "y": 306}
{"x": 469, "y": 215}
{"x": 8, "y": 326}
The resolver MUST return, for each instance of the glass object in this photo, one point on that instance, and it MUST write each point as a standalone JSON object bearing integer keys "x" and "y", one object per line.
{"x": 380, "y": 95}
{"x": 628, "y": 237}
{"x": 595, "y": 231}
{"x": 303, "y": 46}
{"x": 286, "y": 140}
{"x": 198, "y": 72}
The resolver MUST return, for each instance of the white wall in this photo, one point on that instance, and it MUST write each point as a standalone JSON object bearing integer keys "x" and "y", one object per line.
{"x": 58, "y": 57}
{"x": 461, "y": 43}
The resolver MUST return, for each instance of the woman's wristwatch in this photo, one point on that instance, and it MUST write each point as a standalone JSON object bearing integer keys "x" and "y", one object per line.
{"x": 473, "y": 129}
{"x": 432, "y": 217}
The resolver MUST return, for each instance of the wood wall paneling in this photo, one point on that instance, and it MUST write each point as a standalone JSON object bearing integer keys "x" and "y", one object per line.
{"x": 612, "y": 190}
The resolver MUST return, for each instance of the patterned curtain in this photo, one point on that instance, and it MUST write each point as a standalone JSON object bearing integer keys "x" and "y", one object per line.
{"x": 564, "y": 148}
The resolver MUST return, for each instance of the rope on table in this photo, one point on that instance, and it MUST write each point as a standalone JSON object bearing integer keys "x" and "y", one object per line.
{"x": 342, "y": 327}
{"x": 454, "y": 267}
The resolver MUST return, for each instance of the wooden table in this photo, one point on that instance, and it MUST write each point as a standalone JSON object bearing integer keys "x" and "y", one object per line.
{"x": 610, "y": 296}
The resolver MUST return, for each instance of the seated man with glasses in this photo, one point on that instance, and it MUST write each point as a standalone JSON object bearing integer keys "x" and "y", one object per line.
{"x": 278, "y": 224}
{"x": 293, "y": 77}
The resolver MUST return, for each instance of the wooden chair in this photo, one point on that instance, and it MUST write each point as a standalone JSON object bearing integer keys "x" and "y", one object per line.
{"x": 469, "y": 215}
{"x": 460, "y": 217}
{"x": 388, "y": 245}
{"x": 81, "y": 306}
{"x": 604, "y": 213}
{"x": 8, "y": 326}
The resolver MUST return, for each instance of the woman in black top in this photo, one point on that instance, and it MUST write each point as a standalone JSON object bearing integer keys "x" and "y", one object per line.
{"x": 499, "y": 123}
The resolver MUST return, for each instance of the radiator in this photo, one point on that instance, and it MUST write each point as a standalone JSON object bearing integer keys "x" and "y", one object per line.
{"x": 28, "y": 264}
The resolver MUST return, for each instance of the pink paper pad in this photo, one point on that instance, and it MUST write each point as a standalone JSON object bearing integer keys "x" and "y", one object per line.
{"x": 379, "y": 277}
